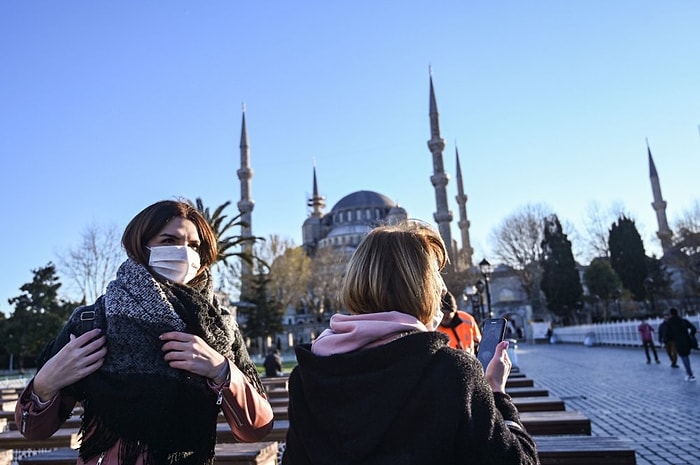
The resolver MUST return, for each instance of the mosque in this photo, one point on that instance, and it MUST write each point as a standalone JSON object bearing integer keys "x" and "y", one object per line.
{"x": 341, "y": 229}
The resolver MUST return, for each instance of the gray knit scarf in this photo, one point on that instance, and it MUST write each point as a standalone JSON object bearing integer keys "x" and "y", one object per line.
{"x": 136, "y": 397}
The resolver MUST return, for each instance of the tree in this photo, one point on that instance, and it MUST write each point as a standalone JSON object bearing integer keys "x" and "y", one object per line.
{"x": 93, "y": 263}
{"x": 690, "y": 219}
{"x": 597, "y": 229}
{"x": 561, "y": 284}
{"x": 290, "y": 272}
{"x": 517, "y": 242}
{"x": 228, "y": 245}
{"x": 38, "y": 314}
{"x": 602, "y": 281}
{"x": 323, "y": 296}
{"x": 262, "y": 314}
{"x": 627, "y": 256}
{"x": 658, "y": 284}
{"x": 685, "y": 253}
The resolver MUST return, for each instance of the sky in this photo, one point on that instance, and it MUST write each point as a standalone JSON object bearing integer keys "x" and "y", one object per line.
{"x": 107, "y": 107}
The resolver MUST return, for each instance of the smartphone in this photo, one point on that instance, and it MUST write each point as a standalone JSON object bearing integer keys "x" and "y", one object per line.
{"x": 492, "y": 333}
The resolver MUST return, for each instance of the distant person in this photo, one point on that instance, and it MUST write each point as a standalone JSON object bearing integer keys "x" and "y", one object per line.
{"x": 155, "y": 360}
{"x": 668, "y": 343}
{"x": 273, "y": 363}
{"x": 680, "y": 331}
{"x": 646, "y": 331}
{"x": 381, "y": 386}
{"x": 459, "y": 326}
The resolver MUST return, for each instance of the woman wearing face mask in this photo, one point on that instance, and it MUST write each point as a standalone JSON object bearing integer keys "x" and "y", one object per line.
{"x": 162, "y": 360}
{"x": 381, "y": 386}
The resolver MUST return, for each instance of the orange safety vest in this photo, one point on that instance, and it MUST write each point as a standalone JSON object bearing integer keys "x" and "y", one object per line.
{"x": 464, "y": 333}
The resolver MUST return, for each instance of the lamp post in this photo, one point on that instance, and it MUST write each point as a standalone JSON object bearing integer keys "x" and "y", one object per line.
{"x": 486, "y": 271}
{"x": 649, "y": 284}
{"x": 477, "y": 301}
{"x": 616, "y": 294}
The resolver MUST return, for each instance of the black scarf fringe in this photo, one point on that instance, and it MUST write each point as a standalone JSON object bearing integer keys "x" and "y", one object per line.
{"x": 167, "y": 416}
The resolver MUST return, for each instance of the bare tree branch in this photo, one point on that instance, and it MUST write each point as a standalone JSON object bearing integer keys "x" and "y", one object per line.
{"x": 91, "y": 265}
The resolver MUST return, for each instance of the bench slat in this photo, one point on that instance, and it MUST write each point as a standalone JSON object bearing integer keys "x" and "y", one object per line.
{"x": 584, "y": 450}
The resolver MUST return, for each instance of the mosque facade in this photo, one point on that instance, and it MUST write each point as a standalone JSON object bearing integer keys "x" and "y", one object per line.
{"x": 341, "y": 229}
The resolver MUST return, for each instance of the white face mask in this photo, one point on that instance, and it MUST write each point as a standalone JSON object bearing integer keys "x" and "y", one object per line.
{"x": 178, "y": 263}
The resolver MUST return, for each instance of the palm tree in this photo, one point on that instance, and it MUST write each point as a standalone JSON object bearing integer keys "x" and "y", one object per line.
{"x": 228, "y": 246}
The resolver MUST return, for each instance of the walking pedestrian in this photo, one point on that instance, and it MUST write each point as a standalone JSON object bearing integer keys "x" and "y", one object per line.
{"x": 273, "y": 363}
{"x": 668, "y": 343}
{"x": 681, "y": 331}
{"x": 647, "y": 333}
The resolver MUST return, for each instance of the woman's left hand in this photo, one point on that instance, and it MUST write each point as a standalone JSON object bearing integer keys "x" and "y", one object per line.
{"x": 190, "y": 353}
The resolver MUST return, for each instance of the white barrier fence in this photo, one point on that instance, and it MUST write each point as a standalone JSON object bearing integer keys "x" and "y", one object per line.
{"x": 623, "y": 333}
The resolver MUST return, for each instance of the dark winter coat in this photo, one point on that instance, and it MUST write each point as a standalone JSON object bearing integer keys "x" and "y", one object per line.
{"x": 411, "y": 401}
{"x": 680, "y": 331}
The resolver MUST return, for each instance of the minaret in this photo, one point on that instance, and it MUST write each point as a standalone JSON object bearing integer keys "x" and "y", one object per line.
{"x": 246, "y": 204}
{"x": 316, "y": 202}
{"x": 311, "y": 230}
{"x": 659, "y": 205}
{"x": 443, "y": 216}
{"x": 467, "y": 251}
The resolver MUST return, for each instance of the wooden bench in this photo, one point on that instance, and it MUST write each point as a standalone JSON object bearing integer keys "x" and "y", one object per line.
{"x": 519, "y": 382}
{"x": 272, "y": 382}
{"x": 8, "y": 404}
{"x": 64, "y": 437}
{"x": 257, "y": 453}
{"x": 61, "y": 456}
{"x": 527, "y": 392}
{"x": 277, "y": 393}
{"x": 538, "y": 404}
{"x": 584, "y": 450}
{"x": 8, "y": 415}
{"x": 523, "y": 404}
{"x": 565, "y": 422}
{"x": 540, "y": 423}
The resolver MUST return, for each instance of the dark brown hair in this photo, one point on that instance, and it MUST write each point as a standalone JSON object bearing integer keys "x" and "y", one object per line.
{"x": 152, "y": 219}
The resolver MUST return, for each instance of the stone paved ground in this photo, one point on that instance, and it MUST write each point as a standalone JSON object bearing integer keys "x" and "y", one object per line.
{"x": 650, "y": 405}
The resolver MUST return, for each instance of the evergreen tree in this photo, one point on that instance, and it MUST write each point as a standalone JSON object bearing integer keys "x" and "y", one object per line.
{"x": 262, "y": 315}
{"x": 658, "y": 283}
{"x": 38, "y": 315}
{"x": 561, "y": 284}
{"x": 627, "y": 256}
{"x": 602, "y": 282}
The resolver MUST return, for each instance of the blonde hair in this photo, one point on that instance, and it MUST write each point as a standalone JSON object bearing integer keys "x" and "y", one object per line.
{"x": 396, "y": 267}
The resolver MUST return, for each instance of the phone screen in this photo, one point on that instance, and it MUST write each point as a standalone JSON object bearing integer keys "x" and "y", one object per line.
{"x": 493, "y": 332}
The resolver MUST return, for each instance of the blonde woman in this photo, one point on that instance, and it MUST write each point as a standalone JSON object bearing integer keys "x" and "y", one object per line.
{"x": 381, "y": 386}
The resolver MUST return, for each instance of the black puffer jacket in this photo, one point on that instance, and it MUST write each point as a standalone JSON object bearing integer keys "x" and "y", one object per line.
{"x": 411, "y": 401}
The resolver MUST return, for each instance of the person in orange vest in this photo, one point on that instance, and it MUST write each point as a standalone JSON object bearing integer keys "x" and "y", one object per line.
{"x": 459, "y": 326}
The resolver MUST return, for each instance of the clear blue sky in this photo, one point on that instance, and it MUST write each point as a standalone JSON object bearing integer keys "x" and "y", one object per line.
{"x": 106, "y": 107}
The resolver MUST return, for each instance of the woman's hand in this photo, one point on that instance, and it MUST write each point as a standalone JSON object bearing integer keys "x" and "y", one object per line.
{"x": 190, "y": 353}
{"x": 499, "y": 368}
{"x": 82, "y": 356}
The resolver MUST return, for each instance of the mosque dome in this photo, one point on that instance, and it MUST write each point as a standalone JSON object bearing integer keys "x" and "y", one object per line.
{"x": 353, "y": 217}
{"x": 363, "y": 199}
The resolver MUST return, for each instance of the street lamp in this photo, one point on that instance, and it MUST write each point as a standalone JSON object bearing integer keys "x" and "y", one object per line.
{"x": 486, "y": 271}
{"x": 476, "y": 300}
{"x": 649, "y": 284}
{"x": 617, "y": 294}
